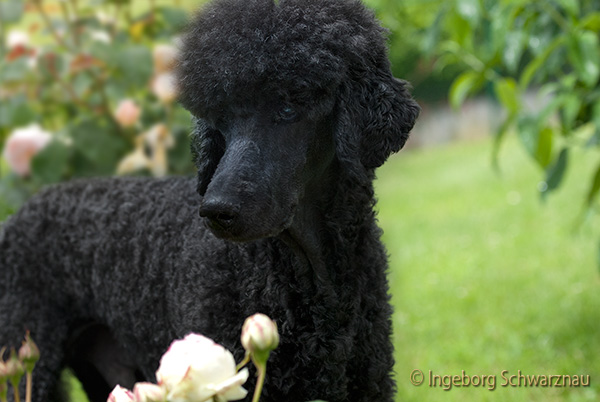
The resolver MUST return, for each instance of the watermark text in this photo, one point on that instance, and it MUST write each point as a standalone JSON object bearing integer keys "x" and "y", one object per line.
{"x": 491, "y": 382}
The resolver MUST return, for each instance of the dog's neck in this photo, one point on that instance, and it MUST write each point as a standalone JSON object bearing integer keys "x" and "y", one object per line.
{"x": 321, "y": 247}
{"x": 341, "y": 270}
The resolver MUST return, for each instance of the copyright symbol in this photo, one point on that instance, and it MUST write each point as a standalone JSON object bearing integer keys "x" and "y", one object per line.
{"x": 416, "y": 377}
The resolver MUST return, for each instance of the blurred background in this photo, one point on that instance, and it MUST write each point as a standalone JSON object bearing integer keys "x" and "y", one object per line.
{"x": 489, "y": 214}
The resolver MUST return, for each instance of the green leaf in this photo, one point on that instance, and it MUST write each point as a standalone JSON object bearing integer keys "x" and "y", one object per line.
{"x": 133, "y": 66}
{"x": 433, "y": 33}
{"x": 584, "y": 55}
{"x": 174, "y": 17}
{"x": 462, "y": 86}
{"x": 543, "y": 152}
{"x": 179, "y": 156}
{"x": 51, "y": 65}
{"x": 591, "y": 22}
{"x": 594, "y": 188}
{"x": 588, "y": 41}
{"x": 537, "y": 64}
{"x": 536, "y": 139}
{"x": 98, "y": 147}
{"x": 51, "y": 163}
{"x": 459, "y": 30}
{"x": 11, "y": 11}
{"x": 469, "y": 10}
{"x": 507, "y": 93}
{"x": 571, "y": 6}
{"x": 527, "y": 129}
{"x": 571, "y": 104}
{"x": 15, "y": 112}
{"x": 513, "y": 50}
{"x": 556, "y": 172}
{"x": 499, "y": 138}
{"x": 13, "y": 71}
{"x": 595, "y": 138}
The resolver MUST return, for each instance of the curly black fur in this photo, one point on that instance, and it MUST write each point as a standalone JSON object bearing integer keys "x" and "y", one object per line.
{"x": 295, "y": 106}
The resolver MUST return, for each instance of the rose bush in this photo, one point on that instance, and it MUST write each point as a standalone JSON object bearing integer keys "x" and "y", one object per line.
{"x": 96, "y": 79}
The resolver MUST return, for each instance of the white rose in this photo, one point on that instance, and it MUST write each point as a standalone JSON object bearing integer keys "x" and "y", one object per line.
{"x": 148, "y": 392}
{"x": 259, "y": 333}
{"x": 197, "y": 369}
{"x": 165, "y": 57}
{"x": 101, "y": 36}
{"x": 120, "y": 394}
{"x": 164, "y": 87}
{"x": 17, "y": 38}
{"x": 22, "y": 145}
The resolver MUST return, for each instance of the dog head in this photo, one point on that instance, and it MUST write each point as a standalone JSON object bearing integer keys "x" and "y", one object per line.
{"x": 279, "y": 92}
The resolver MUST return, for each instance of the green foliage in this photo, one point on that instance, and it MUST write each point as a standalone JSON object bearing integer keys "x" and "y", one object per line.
{"x": 519, "y": 47}
{"x": 408, "y": 22}
{"x": 77, "y": 63}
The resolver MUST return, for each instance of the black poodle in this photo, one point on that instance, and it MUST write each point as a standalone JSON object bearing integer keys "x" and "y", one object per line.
{"x": 295, "y": 106}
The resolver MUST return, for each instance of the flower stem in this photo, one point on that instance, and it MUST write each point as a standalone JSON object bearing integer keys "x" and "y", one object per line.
{"x": 243, "y": 362}
{"x": 262, "y": 372}
{"x": 17, "y": 395}
{"x": 57, "y": 38}
{"x": 29, "y": 387}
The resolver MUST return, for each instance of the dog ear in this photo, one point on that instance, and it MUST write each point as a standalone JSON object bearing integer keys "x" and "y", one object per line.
{"x": 208, "y": 147}
{"x": 376, "y": 114}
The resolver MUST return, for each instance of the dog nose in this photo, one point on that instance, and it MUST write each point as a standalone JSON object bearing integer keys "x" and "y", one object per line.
{"x": 220, "y": 213}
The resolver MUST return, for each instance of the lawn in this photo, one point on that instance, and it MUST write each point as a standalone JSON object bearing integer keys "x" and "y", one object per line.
{"x": 485, "y": 277}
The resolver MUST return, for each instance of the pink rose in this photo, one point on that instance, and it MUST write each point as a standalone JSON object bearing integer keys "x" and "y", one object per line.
{"x": 22, "y": 145}
{"x": 127, "y": 113}
{"x": 120, "y": 394}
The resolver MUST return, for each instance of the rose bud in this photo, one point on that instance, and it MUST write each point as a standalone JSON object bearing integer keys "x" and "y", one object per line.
{"x": 259, "y": 334}
{"x": 14, "y": 368}
{"x": 29, "y": 353}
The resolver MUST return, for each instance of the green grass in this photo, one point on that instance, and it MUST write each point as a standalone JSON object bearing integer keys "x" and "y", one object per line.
{"x": 485, "y": 277}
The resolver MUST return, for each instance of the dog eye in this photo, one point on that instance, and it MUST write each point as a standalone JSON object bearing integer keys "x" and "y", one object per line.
{"x": 287, "y": 114}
